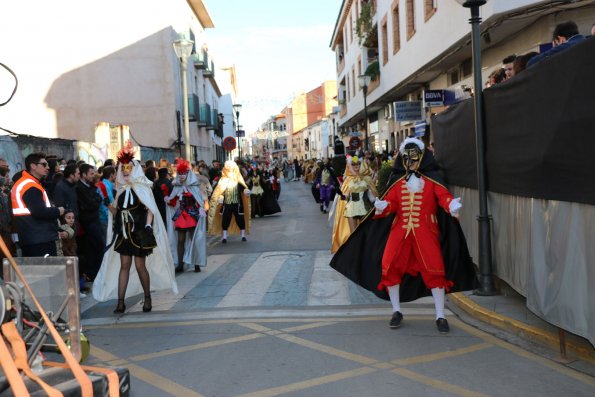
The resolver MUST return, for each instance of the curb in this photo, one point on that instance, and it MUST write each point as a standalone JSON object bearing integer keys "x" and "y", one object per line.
{"x": 584, "y": 352}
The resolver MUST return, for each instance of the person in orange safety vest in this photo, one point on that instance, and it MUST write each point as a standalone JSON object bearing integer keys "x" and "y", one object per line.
{"x": 35, "y": 218}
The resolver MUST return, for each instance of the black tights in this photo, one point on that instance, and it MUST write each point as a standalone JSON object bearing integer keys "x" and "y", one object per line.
{"x": 182, "y": 244}
{"x": 141, "y": 269}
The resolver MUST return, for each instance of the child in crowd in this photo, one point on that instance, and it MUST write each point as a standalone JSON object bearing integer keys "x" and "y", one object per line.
{"x": 65, "y": 234}
{"x": 69, "y": 243}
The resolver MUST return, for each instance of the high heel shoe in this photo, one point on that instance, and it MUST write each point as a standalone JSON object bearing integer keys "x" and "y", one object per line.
{"x": 121, "y": 307}
{"x": 147, "y": 306}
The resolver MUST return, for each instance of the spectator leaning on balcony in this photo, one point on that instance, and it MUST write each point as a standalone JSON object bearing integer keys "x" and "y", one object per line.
{"x": 565, "y": 36}
{"x": 507, "y": 64}
{"x": 36, "y": 219}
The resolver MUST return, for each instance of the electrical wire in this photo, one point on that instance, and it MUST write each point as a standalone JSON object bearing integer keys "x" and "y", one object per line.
{"x": 16, "y": 83}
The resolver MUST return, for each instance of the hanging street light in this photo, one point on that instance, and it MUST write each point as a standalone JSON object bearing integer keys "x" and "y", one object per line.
{"x": 183, "y": 49}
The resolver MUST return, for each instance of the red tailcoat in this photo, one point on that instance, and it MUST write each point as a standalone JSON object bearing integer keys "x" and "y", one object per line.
{"x": 413, "y": 244}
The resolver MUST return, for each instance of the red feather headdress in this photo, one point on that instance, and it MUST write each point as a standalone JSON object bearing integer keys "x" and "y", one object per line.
{"x": 182, "y": 166}
{"x": 126, "y": 155}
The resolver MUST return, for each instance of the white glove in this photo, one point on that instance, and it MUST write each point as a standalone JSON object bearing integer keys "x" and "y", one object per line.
{"x": 166, "y": 199}
{"x": 272, "y": 179}
{"x": 454, "y": 207}
{"x": 247, "y": 192}
{"x": 202, "y": 212}
{"x": 380, "y": 205}
{"x": 371, "y": 197}
{"x": 220, "y": 200}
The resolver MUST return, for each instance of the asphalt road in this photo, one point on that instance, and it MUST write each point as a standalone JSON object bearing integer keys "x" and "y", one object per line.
{"x": 268, "y": 317}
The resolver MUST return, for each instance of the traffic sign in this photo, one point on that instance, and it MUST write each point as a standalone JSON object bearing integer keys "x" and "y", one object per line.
{"x": 229, "y": 143}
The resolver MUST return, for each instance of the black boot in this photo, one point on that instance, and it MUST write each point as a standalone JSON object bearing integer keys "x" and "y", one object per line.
{"x": 147, "y": 305}
{"x": 180, "y": 268}
{"x": 196, "y": 269}
{"x": 120, "y": 308}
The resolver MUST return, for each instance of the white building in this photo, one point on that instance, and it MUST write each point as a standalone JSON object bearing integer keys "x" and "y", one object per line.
{"x": 80, "y": 64}
{"x": 415, "y": 45}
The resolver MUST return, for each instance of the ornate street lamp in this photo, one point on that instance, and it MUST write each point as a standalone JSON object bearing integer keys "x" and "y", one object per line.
{"x": 364, "y": 82}
{"x": 183, "y": 49}
{"x": 237, "y": 107}
{"x": 486, "y": 278}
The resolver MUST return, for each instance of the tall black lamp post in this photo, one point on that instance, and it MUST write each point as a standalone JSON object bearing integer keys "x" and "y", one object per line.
{"x": 364, "y": 82}
{"x": 237, "y": 107}
{"x": 486, "y": 277}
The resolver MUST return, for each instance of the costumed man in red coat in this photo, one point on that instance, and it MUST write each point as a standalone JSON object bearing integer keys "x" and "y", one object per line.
{"x": 400, "y": 250}
{"x": 413, "y": 245}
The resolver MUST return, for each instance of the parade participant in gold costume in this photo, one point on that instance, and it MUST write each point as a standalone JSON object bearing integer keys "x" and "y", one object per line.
{"x": 349, "y": 212}
{"x": 230, "y": 199}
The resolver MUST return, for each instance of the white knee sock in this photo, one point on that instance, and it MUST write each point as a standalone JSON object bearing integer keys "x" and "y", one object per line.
{"x": 243, "y": 233}
{"x": 225, "y": 234}
{"x": 438, "y": 294}
{"x": 393, "y": 293}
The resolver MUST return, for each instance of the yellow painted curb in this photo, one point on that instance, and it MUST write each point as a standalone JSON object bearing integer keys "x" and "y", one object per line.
{"x": 584, "y": 352}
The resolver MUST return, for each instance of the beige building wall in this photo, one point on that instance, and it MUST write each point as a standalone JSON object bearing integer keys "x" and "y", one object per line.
{"x": 81, "y": 63}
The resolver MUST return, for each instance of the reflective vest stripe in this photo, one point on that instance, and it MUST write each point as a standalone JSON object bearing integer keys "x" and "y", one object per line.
{"x": 21, "y": 187}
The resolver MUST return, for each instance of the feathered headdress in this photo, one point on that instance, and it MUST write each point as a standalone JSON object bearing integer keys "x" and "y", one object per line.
{"x": 126, "y": 155}
{"x": 182, "y": 166}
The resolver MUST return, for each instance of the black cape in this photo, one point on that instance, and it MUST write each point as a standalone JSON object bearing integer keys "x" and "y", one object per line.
{"x": 268, "y": 203}
{"x": 360, "y": 257}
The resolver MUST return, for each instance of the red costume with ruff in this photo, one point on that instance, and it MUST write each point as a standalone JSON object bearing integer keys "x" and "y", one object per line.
{"x": 413, "y": 246}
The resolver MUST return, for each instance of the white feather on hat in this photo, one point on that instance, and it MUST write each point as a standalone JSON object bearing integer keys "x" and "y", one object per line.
{"x": 414, "y": 140}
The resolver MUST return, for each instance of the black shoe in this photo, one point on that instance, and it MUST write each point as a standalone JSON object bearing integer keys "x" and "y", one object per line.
{"x": 395, "y": 321}
{"x": 196, "y": 269}
{"x": 147, "y": 306}
{"x": 244, "y": 239}
{"x": 320, "y": 207}
{"x": 180, "y": 269}
{"x": 121, "y": 307}
{"x": 224, "y": 241}
{"x": 442, "y": 325}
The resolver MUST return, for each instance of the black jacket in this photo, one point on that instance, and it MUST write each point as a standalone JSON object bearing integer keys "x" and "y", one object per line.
{"x": 65, "y": 196}
{"x": 160, "y": 196}
{"x": 89, "y": 201}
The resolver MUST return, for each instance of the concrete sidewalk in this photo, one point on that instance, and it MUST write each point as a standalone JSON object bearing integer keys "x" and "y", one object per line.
{"x": 508, "y": 312}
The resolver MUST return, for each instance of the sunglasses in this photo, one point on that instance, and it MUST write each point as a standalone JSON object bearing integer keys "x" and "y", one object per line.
{"x": 45, "y": 164}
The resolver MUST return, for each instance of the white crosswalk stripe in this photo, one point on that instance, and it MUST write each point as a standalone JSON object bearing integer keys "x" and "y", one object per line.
{"x": 254, "y": 284}
{"x": 328, "y": 287}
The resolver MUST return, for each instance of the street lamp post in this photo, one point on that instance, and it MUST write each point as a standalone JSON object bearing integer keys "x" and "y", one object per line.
{"x": 364, "y": 82}
{"x": 485, "y": 241}
{"x": 237, "y": 107}
{"x": 183, "y": 49}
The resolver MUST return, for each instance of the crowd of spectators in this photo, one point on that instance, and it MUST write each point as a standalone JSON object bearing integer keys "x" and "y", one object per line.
{"x": 565, "y": 35}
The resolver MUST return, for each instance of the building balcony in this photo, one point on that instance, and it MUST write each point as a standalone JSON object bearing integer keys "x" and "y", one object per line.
{"x": 343, "y": 110}
{"x": 209, "y": 70}
{"x": 193, "y": 107}
{"x": 201, "y": 59}
{"x": 373, "y": 85}
{"x": 215, "y": 119}
{"x": 341, "y": 66}
{"x": 205, "y": 115}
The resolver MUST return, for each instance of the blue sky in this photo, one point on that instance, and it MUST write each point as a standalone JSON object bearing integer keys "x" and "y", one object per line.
{"x": 279, "y": 47}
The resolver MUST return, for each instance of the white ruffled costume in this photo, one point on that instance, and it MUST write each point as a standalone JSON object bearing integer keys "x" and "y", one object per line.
{"x": 195, "y": 247}
{"x": 159, "y": 263}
